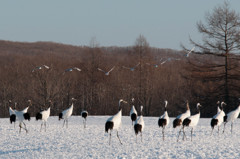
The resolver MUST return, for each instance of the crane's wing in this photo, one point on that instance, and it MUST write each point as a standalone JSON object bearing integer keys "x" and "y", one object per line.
{"x": 47, "y": 67}
{"x": 101, "y": 70}
{"x": 164, "y": 62}
{"x": 111, "y": 69}
{"x": 137, "y": 65}
{"x": 190, "y": 51}
{"x": 76, "y": 68}
{"x": 69, "y": 69}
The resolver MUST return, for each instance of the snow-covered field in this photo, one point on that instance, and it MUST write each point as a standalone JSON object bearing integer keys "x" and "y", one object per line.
{"x": 92, "y": 142}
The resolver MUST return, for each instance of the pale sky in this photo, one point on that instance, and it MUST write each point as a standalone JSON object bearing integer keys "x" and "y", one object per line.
{"x": 164, "y": 23}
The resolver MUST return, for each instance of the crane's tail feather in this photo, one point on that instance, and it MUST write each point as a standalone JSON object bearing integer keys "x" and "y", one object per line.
{"x": 186, "y": 122}
{"x": 60, "y": 116}
{"x": 225, "y": 118}
{"x": 12, "y": 118}
{"x": 84, "y": 115}
{"x": 133, "y": 116}
{"x": 162, "y": 122}
{"x": 27, "y": 116}
{"x": 39, "y": 116}
{"x": 137, "y": 128}
{"x": 177, "y": 122}
{"x": 214, "y": 122}
{"x": 108, "y": 126}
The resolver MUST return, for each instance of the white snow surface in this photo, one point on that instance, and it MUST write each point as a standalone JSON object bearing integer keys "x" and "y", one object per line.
{"x": 92, "y": 142}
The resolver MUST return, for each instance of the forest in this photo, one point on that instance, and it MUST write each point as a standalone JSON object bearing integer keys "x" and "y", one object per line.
{"x": 149, "y": 75}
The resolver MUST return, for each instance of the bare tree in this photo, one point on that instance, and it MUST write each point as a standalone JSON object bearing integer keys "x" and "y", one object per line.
{"x": 142, "y": 52}
{"x": 221, "y": 39}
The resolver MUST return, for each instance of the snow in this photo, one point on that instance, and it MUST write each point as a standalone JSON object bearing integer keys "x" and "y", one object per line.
{"x": 92, "y": 142}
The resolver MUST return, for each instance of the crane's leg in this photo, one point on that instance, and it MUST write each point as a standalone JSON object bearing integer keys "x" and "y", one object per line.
{"x": 218, "y": 130}
{"x": 110, "y": 135}
{"x": 141, "y": 136}
{"x": 25, "y": 128}
{"x": 179, "y": 134}
{"x": 63, "y": 123}
{"x": 224, "y": 126}
{"x": 231, "y": 127}
{"x": 163, "y": 132}
{"x": 212, "y": 131}
{"x": 136, "y": 138}
{"x": 41, "y": 126}
{"x": 119, "y": 138}
{"x": 184, "y": 135}
{"x": 20, "y": 125}
{"x": 14, "y": 125}
{"x": 191, "y": 133}
{"x": 67, "y": 123}
{"x": 45, "y": 123}
{"x": 85, "y": 123}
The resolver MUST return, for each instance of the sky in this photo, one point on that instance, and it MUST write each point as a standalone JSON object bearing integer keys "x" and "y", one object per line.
{"x": 164, "y": 23}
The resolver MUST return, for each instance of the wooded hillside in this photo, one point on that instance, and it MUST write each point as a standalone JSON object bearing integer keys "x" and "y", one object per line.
{"x": 160, "y": 74}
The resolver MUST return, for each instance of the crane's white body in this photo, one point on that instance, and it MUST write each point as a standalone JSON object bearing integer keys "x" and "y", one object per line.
{"x": 163, "y": 120}
{"x": 194, "y": 120}
{"x": 165, "y": 115}
{"x": 11, "y": 111}
{"x": 116, "y": 119}
{"x": 20, "y": 118}
{"x": 139, "y": 125}
{"x": 233, "y": 115}
{"x": 179, "y": 119}
{"x": 184, "y": 115}
{"x": 219, "y": 116}
{"x": 217, "y": 119}
{"x": 114, "y": 122}
{"x": 133, "y": 110}
{"x": 45, "y": 114}
{"x": 19, "y": 114}
{"x": 67, "y": 112}
{"x": 140, "y": 121}
{"x": 191, "y": 121}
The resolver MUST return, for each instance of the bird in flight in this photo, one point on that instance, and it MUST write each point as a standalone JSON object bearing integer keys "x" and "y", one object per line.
{"x": 168, "y": 59}
{"x": 40, "y": 67}
{"x": 187, "y": 55}
{"x": 156, "y": 64}
{"x": 71, "y": 69}
{"x": 106, "y": 73}
{"x": 131, "y": 68}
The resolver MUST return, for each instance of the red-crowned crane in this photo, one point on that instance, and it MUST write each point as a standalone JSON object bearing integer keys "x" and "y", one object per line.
{"x": 114, "y": 122}
{"x": 163, "y": 120}
{"x": 191, "y": 121}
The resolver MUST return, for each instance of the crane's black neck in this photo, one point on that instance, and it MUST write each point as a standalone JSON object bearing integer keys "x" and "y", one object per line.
{"x": 165, "y": 109}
